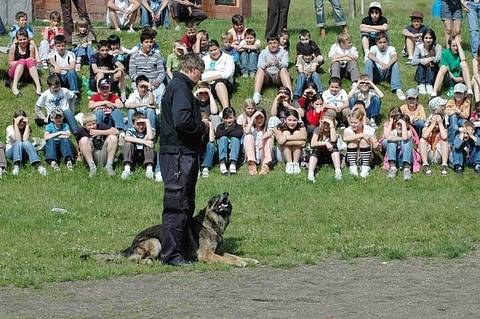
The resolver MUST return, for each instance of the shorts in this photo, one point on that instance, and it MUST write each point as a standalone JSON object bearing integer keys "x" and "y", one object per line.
{"x": 323, "y": 152}
{"x": 451, "y": 10}
{"x": 227, "y": 83}
{"x": 27, "y": 63}
{"x": 274, "y": 78}
{"x": 99, "y": 155}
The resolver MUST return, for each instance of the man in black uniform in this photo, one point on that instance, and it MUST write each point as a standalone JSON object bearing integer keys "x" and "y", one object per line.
{"x": 181, "y": 133}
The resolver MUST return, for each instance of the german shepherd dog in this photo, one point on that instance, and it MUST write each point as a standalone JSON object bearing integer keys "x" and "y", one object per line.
{"x": 202, "y": 241}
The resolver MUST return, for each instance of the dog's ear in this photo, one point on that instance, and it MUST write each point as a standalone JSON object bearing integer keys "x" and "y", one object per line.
{"x": 213, "y": 201}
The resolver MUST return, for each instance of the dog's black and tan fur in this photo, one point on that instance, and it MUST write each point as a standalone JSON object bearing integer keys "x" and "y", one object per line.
{"x": 202, "y": 241}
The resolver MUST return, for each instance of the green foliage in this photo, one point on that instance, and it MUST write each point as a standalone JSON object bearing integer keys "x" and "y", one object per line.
{"x": 280, "y": 220}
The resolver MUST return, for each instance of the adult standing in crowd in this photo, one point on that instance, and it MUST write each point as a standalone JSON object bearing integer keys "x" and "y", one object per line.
{"x": 81, "y": 7}
{"x": 338, "y": 14}
{"x": 186, "y": 10}
{"x": 181, "y": 134}
{"x": 277, "y": 17}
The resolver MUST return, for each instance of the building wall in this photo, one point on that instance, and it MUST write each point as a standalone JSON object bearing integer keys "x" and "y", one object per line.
{"x": 97, "y": 9}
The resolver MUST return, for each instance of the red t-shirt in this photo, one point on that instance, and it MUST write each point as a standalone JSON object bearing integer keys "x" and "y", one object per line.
{"x": 111, "y": 98}
{"x": 189, "y": 44}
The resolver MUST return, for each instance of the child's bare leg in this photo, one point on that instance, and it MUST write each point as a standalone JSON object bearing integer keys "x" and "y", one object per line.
{"x": 423, "y": 149}
{"x": 86, "y": 150}
{"x": 114, "y": 19}
{"x": 112, "y": 141}
{"x": 457, "y": 28}
{"x": 410, "y": 45}
{"x": 16, "y": 77}
{"x": 285, "y": 78}
{"x": 336, "y": 160}
{"x": 287, "y": 153}
{"x": 439, "y": 79}
{"x": 447, "y": 24}
{"x": 312, "y": 164}
{"x": 222, "y": 94}
{"x": 466, "y": 74}
{"x": 297, "y": 153}
{"x": 444, "y": 152}
{"x": 34, "y": 74}
{"x": 476, "y": 89}
{"x": 259, "y": 80}
{"x": 365, "y": 44}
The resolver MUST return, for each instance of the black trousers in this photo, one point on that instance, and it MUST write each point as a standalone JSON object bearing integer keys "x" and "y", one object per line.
{"x": 179, "y": 173}
{"x": 81, "y": 7}
{"x": 181, "y": 13}
{"x": 277, "y": 16}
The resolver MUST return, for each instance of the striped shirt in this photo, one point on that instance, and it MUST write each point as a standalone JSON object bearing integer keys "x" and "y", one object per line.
{"x": 150, "y": 65}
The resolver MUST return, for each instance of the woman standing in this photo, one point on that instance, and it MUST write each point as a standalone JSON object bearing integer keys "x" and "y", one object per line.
{"x": 277, "y": 17}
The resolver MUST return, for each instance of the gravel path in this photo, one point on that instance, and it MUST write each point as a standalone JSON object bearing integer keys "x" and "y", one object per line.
{"x": 362, "y": 288}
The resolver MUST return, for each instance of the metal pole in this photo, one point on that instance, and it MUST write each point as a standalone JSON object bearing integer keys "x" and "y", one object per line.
{"x": 351, "y": 8}
{"x": 362, "y": 9}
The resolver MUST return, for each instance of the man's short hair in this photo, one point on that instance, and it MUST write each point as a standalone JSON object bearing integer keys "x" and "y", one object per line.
{"x": 191, "y": 62}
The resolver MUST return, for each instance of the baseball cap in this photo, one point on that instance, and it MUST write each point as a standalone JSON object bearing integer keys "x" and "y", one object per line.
{"x": 459, "y": 88}
{"x": 412, "y": 93}
{"x": 417, "y": 14}
{"x": 56, "y": 112}
{"x": 436, "y": 102}
{"x": 375, "y": 4}
{"x": 104, "y": 83}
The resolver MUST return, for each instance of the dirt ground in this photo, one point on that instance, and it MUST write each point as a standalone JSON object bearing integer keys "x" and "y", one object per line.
{"x": 361, "y": 288}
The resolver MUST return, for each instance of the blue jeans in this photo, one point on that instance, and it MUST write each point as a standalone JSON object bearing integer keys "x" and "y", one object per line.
{"x": 150, "y": 114}
{"x": 18, "y": 150}
{"x": 452, "y": 130}
{"x": 419, "y": 125}
{"x": 83, "y": 52}
{"x": 223, "y": 146}
{"x": 53, "y": 146}
{"x": 70, "y": 80}
{"x": 70, "y": 118}
{"x": 116, "y": 116}
{"x": 459, "y": 154}
{"x": 248, "y": 62}
{"x": 146, "y": 19}
{"x": 392, "y": 74}
{"x": 337, "y": 13}
{"x": 473, "y": 26}
{"x": 373, "y": 109}
{"x": 400, "y": 152}
{"x": 302, "y": 80}
{"x": 208, "y": 155}
{"x": 426, "y": 75}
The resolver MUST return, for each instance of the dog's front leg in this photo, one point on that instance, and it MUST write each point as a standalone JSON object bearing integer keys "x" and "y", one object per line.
{"x": 247, "y": 260}
{"x": 211, "y": 257}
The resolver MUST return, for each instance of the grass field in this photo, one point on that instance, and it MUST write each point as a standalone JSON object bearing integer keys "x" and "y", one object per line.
{"x": 280, "y": 220}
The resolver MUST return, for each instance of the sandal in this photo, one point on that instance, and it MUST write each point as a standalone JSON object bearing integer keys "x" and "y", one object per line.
{"x": 252, "y": 168}
{"x": 265, "y": 169}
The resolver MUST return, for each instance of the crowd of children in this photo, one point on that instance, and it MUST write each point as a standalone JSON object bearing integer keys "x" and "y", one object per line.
{"x": 309, "y": 123}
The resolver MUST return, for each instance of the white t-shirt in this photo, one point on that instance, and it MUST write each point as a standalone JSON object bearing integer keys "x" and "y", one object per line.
{"x": 63, "y": 99}
{"x": 62, "y": 61}
{"x": 338, "y": 100}
{"x": 336, "y": 49}
{"x": 367, "y": 129}
{"x": 10, "y": 137}
{"x": 135, "y": 98}
{"x": 359, "y": 96}
{"x": 384, "y": 56}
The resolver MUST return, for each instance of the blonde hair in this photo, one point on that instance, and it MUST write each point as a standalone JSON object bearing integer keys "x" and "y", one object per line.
{"x": 88, "y": 118}
{"x": 81, "y": 22}
{"x": 344, "y": 37}
{"x": 358, "y": 114}
{"x": 248, "y": 102}
{"x": 227, "y": 36}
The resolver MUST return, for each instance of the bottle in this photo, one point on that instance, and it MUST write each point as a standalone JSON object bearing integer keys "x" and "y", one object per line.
{"x": 58, "y": 210}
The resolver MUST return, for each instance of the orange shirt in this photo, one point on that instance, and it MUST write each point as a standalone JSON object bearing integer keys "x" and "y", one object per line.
{"x": 464, "y": 108}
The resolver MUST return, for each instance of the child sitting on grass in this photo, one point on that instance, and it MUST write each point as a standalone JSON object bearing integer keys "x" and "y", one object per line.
{"x": 248, "y": 49}
{"x": 57, "y": 137}
{"x": 324, "y": 143}
{"x": 466, "y": 139}
{"x": 229, "y": 135}
{"x": 82, "y": 41}
{"x": 258, "y": 143}
{"x": 343, "y": 58}
{"x": 138, "y": 147}
{"x": 97, "y": 143}
{"x": 367, "y": 92}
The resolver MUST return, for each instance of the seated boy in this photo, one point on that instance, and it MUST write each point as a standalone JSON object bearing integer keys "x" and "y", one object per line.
{"x": 227, "y": 48}
{"x": 63, "y": 63}
{"x": 237, "y": 30}
{"x": 56, "y": 97}
{"x": 413, "y": 34}
{"x": 142, "y": 100}
{"x": 466, "y": 139}
{"x": 307, "y": 72}
{"x": 173, "y": 59}
{"x": 106, "y": 107}
{"x": 371, "y": 25}
{"x": 138, "y": 148}
{"x": 21, "y": 21}
{"x": 382, "y": 65}
{"x": 272, "y": 67}
{"x": 97, "y": 143}
{"x": 335, "y": 102}
{"x": 248, "y": 49}
{"x": 104, "y": 65}
{"x": 57, "y": 134}
{"x": 344, "y": 58}
{"x": 149, "y": 63}
{"x": 190, "y": 36}
{"x": 206, "y": 102}
{"x": 229, "y": 135}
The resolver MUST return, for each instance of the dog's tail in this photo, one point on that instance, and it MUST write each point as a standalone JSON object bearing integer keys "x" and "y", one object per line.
{"x": 103, "y": 257}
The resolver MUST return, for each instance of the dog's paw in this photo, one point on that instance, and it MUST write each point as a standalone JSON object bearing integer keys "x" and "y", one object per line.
{"x": 146, "y": 261}
{"x": 251, "y": 261}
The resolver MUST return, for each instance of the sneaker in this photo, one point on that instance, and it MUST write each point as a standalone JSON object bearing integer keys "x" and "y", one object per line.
{"x": 125, "y": 175}
{"x": 422, "y": 89}
{"x": 78, "y": 67}
{"x": 444, "y": 170}
{"x": 252, "y": 168}
{"x": 245, "y": 75}
{"x": 458, "y": 171}
{"x": 364, "y": 171}
{"x": 45, "y": 65}
{"x": 311, "y": 177}
{"x": 427, "y": 170}
{"x": 450, "y": 92}
{"x": 433, "y": 94}
{"x": 265, "y": 169}
{"x": 16, "y": 170}
{"x": 429, "y": 89}
{"x": 110, "y": 171}
{"x": 93, "y": 171}
{"x": 149, "y": 174}
{"x": 289, "y": 168}
{"x": 392, "y": 172}
{"x": 233, "y": 168}
{"x": 223, "y": 169}
{"x": 407, "y": 174}
{"x": 469, "y": 92}
{"x": 2, "y": 172}
{"x": 257, "y": 97}
{"x": 131, "y": 30}
{"x": 121, "y": 139}
{"x": 477, "y": 169}
{"x": 177, "y": 28}
{"x": 409, "y": 61}
{"x": 404, "y": 52}
{"x": 41, "y": 170}
{"x": 54, "y": 166}
{"x": 158, "y": 177}
{"x": 372, "y": 123}
{"x": 70, "y": 166}
{"x": 338, "y": 175}
{"x": 400, "y": 95}
{"x": 205, "y": 172}
{"x": 353, "y": 170}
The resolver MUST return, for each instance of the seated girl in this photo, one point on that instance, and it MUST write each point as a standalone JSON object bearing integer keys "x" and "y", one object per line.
{"x": 324, "y": 143}
{"x": 258, "y": 143}
{"x": 291, "y": 135}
